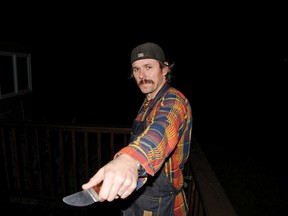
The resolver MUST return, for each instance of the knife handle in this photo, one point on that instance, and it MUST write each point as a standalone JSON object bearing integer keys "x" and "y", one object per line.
{"x": 97, "y": 187}
{"x": 94, "y": 192}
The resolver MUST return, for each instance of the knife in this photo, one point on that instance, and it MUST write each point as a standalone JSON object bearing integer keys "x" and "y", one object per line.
{"x": 84, "y": 197}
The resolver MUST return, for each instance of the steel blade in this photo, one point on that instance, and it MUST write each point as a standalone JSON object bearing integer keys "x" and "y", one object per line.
{"x": 82, "y": 198}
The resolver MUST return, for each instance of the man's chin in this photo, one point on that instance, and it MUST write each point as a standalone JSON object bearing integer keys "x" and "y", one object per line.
{"x": 144, "y": 90}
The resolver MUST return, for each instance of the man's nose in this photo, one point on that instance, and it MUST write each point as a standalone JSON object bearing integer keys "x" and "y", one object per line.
{"x": 142, "y": 74}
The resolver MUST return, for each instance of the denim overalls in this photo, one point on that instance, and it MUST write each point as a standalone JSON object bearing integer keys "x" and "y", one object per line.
{"x": 157, "y": 196}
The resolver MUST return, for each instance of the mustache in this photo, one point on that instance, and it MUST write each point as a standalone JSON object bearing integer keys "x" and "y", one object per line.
{"x": 145, "y": 81}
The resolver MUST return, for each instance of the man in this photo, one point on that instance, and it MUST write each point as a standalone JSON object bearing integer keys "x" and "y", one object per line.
{"x": 147, "y": 173}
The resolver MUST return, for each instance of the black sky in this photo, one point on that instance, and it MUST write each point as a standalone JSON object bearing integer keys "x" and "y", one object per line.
{"x": 229, "y": 63}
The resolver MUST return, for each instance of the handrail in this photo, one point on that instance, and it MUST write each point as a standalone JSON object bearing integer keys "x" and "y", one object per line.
{"x": 44, "y": 162}
{"x": 213, "y": 197}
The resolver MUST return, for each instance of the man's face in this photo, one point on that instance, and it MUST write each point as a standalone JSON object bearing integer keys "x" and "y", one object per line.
{"x": 149, "y": 76}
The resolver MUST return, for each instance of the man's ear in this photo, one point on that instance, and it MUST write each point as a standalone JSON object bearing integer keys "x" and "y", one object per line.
{"x": 165, "y": 68}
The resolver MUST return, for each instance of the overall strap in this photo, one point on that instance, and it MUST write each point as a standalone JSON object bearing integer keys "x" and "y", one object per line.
{"x": 158, "y": 96}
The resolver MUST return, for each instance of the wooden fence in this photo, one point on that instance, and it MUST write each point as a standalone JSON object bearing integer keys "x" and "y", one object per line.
{"x": 42, "y": 163}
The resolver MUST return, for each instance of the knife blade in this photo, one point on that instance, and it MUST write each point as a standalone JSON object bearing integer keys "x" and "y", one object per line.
{"x": 84, "y": 197}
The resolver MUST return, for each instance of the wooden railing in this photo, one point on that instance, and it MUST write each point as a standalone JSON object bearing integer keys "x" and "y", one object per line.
{"x": 42, "y": 163}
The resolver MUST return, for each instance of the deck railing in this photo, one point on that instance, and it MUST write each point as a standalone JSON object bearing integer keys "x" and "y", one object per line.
{"x": 42, "y": 163}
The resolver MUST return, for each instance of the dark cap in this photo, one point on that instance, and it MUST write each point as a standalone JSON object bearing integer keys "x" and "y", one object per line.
{"x": 146, "y": 51}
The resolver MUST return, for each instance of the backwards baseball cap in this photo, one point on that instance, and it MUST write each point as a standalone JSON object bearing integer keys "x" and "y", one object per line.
{"x": 146, "y": 51}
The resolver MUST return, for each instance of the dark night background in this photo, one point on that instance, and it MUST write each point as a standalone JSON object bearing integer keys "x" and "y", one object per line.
{"x": 231, "y": 65}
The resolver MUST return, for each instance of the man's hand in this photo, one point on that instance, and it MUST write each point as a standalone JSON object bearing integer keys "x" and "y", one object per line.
{"x": 119, "y": 178}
